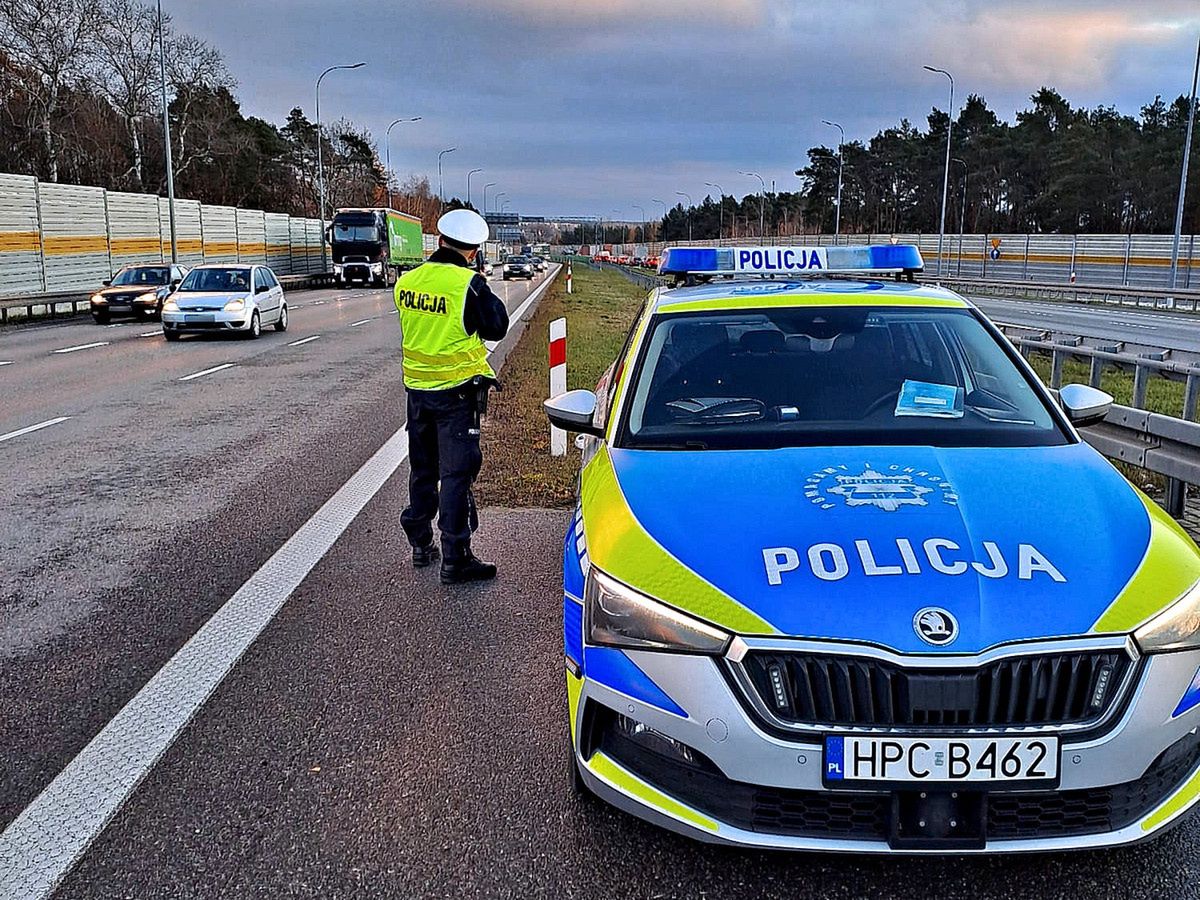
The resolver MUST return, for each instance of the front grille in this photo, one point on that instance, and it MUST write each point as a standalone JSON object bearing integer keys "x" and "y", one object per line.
{"x": 826, "y": 690}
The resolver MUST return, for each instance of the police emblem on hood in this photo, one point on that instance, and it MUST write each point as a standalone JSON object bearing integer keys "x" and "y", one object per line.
{"x": 935, "y": 625}
{"x": 889, "y": 490}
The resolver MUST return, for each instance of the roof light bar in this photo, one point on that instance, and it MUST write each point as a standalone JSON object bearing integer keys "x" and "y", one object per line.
{"x": 881, "y": 259}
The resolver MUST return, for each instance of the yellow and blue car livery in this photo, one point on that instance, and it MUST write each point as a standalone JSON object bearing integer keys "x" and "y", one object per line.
{"x": 800, "y": 615}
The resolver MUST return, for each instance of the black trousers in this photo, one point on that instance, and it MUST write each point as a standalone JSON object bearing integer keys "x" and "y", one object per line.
{"x": 443, "y": 445}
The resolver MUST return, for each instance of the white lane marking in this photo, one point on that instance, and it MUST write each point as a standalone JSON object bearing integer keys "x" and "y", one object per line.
{"x": 41, "y": 844}
{"x": 151, "y": 333}
{"x": 6, "y": 362}
{"x": 360, "y": 322}
{"x": 219, "y": 368}
{"x": 38, "y": 427}
{"x": 306, "y": 340}
{"x": 83, "y": 347}
{"x": 318, "y": 302}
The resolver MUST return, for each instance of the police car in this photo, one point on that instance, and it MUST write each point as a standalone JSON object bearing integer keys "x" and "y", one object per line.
{"x": 844, "y": 576}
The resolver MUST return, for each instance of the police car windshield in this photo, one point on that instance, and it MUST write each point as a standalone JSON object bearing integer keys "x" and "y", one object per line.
{"x": 831, "y": 376}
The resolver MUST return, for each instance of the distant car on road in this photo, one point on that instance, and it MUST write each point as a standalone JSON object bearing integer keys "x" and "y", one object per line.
{"x": 484, "y": 266}
{"x": 136, "y": 291}
{"x": 540, "y": 264}
{"x": 518, "y": 267}
{"x": 228, "y": 299}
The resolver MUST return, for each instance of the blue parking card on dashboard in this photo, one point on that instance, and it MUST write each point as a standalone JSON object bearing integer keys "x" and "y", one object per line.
{"x": 921, "y": 398}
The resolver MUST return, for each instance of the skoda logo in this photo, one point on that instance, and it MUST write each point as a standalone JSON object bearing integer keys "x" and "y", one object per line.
{"x": 935, "y": 625}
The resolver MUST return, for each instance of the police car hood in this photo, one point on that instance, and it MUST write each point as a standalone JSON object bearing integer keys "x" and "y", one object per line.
{"x": 851, "y": 543}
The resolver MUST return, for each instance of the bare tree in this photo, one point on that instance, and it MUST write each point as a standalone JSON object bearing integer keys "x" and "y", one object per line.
{"x": 126, "y": 70}
{"x": 194, "y": 70}
{"x": 53, "y": 40}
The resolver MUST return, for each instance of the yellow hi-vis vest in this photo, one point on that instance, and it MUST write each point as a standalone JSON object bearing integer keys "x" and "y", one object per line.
{"x": 438, "y": 352}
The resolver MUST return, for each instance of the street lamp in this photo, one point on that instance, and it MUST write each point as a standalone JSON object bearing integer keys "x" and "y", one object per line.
{"x": 688, "y": 197}
{"x": 643, "y": 212}
{"x": 720, "y": 209}
{"x": 485, "y": 187}
{"x": 962, "y": 210}
{"x": 162, "y": 71}
{"x": 762, "y": 200}
{"x": 469, "y": 174}
{"x": 441, "y": 184}
{"x": 504, "y": 206}
{"x": 496, "y": 200}
{"x": 320, "y": 164}
{"x": 837, "y": 216}
{"x": 1187, "y": 152}
{"x": 387, "y": 145}
{"x": 946, "y": 176}
{"x": 664, "y": 218}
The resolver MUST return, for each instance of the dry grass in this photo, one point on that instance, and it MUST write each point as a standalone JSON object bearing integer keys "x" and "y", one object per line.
{"x": 518, "y": 469}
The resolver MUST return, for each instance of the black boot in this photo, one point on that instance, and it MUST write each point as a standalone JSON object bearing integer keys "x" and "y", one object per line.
{"x": 466, "y": 568}
{"x": 424, "y": 556}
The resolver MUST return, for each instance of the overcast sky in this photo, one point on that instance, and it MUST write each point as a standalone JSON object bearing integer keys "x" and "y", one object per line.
{"x": 586, "y": 106}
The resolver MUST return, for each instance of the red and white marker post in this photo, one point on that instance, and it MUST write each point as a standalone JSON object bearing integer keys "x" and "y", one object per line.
{"x": 558, "y": 377}
{"x": 570, "y": 287}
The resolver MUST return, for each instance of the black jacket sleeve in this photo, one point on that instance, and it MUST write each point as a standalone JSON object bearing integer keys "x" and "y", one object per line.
{"x": 485, "y": 314}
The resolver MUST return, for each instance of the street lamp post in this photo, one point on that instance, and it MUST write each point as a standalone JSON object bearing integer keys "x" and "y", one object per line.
{"x": 946, "y": 175}
{"x": 1187, "y": 153}
{"x": 962, "y": 210}
{"x": 664, "y": 218}
{"x": 441, "y": 183}
{"x": 496, "y": 200}
{"x": 688, "y": 197}
{"x": 720, "y": 209}
{"x": 320, "y": 163}
{"x": 643, "y": 212}
{"x": 469, "y": 174}
{"x": 837, "y": 215}
{"x": 387, "y": 146}
{"x": 485, "y": 189}
{"x": 162, "y": 71}
{"x": 762, "y": 202}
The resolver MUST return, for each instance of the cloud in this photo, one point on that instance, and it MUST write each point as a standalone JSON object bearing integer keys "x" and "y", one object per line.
{"x": 632, "y": 13}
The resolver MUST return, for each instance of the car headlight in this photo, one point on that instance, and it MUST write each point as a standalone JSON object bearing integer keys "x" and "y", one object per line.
{"x": 619, "y": 616}
{"x": 235, "y": 305}
{"x": 376, "y": 267}
{"x": 148, "y": 297}
{"x": 98, "y": 298}
{"x": 1175, "y": 628}
{"x": 337, "y": 269}
{"x": 170, "y": 305}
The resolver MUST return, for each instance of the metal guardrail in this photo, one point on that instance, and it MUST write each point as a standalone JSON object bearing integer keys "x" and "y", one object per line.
{"x": 1155, "y": 298}
{"x": 51, "y": 302}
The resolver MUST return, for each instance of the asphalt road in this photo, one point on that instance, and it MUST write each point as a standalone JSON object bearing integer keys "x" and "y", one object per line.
{"x": 1141, "y": 328}
{"x": 383, "y": 736}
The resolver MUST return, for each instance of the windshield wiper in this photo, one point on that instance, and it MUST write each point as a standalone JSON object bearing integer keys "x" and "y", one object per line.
{"x": 671, "y": 445}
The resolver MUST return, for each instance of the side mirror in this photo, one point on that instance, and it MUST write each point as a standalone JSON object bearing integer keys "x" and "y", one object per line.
{"x": 574, "y": 411}
{"x": 261, "y": 289}
{"x": 107, "y": 282}
{"x": 1084, "y": 405}
{"x": 174, "y": 285}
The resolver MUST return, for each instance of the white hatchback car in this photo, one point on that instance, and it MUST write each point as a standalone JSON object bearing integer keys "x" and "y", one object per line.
{"x": 225, "y": 298}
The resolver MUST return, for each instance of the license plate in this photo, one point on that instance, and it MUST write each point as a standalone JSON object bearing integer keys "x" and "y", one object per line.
{"x": 197, "y": 319}
{"x": 940, "y": 760}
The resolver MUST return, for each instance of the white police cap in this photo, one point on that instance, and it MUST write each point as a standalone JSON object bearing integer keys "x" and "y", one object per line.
{"x": 463, "y": 226}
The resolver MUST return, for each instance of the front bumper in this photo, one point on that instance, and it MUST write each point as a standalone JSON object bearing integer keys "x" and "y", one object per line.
{"x": 199, "y": 322}
{"x": 123, "y": 307}
{"x": 747, "y": 787}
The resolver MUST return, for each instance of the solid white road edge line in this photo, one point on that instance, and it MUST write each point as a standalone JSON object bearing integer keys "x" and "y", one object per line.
{"x": 304, "y": 341}
{"x": 40, "y": 845}
{"x": 38, "y": 427}
{"x": 83, "y": 347}
{"x": 219, "y": 368}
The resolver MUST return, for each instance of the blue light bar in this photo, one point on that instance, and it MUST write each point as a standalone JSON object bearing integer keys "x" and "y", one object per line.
{"x": 876, "y": 258}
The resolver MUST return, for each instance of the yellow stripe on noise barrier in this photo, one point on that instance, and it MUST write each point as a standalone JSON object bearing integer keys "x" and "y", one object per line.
{"x": 19, "y": 241}
{"x": 70, "y": 245}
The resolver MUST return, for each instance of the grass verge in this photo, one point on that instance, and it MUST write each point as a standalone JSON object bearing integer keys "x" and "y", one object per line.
{"x": 518, "y": 469}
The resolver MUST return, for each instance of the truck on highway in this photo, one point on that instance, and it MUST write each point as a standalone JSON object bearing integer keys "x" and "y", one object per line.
{"x": 373, "y": 246}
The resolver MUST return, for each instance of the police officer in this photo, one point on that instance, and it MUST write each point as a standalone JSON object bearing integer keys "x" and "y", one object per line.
{"x": 447, "y": 311}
